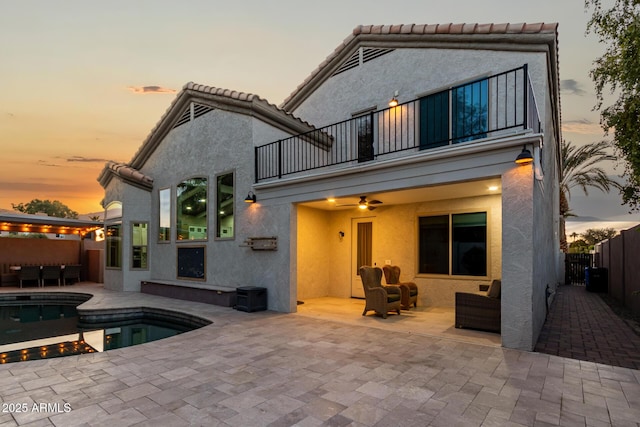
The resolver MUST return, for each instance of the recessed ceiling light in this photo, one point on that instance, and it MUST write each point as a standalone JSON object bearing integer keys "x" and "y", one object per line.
{"x": 493, "y": 187}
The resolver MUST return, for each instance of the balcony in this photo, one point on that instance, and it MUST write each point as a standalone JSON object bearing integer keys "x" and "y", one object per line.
{"x": 485, "y": 108}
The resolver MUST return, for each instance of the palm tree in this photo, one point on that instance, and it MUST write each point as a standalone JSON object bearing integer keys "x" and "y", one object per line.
{"x": 579, "y": 170}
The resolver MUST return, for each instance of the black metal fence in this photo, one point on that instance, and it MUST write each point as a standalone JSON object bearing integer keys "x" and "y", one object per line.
{"x": 480, "y": 109}
{"x": 574, "y": 268}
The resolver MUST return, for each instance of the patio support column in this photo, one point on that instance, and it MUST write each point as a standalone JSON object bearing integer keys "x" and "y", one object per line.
{"x": 517, "y": 258}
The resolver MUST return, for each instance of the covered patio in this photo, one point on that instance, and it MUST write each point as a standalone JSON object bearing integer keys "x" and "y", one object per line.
{"x": 423, "y": 320}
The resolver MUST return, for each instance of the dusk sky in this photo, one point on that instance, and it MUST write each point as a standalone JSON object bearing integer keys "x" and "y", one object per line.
{"x": 83, "y": 82}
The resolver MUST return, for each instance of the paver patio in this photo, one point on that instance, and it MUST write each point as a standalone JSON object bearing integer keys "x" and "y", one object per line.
{"x": 266, "y": 368}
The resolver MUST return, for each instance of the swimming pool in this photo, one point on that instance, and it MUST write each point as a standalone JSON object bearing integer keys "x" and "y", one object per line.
{"x": 42, "y": 326}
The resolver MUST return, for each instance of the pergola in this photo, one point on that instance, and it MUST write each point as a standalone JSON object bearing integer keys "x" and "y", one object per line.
{"x": 28, "y": 223}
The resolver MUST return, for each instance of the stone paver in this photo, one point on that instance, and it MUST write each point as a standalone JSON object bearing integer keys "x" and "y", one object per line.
{"x": 581, "y": 326}
{"x": 266, "y": 368}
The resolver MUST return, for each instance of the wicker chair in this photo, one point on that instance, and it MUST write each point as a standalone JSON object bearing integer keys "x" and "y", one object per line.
{"x": 409, "y": 290}
{"x": 29, "y": 272}
{"x": 381, "y": 299}
{"x": 479, "y": 310}
{"x": 50, "y": 272}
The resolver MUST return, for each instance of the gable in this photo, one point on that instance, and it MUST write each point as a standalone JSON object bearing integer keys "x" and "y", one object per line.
{"x": 191, "y": 102}
{"x": 380, "y": 38}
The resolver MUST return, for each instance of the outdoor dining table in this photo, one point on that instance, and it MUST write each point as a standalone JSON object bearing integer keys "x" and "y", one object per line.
{"x": 19, "y": 267}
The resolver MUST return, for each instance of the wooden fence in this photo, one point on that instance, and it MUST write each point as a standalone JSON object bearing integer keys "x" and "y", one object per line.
{"x": 620, "y": 256}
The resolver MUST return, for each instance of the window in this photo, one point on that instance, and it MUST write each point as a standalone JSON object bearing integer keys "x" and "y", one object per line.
{"x": 114, "y": 245}
{"x": 469, "y": 111}
{"x": 454, "y": 244}
{"x": 191, "y": 209}
{"x": 139, "y": 235}
{"x": 225, "y": 206}
{"x": 164, "y": 215}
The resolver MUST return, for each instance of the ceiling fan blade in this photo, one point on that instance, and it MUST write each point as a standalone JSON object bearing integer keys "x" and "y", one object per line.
{"x": 375, "y": 202}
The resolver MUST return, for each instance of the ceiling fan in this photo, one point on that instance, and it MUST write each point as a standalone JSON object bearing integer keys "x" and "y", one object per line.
{"x": 364, "y": 203}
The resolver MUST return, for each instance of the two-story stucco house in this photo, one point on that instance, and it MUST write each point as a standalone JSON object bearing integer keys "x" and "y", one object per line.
{"x": 435, "y": 174}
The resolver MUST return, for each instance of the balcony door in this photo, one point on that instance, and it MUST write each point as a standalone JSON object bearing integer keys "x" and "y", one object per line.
{"x": 364, "y": 137}
{"x": 456, "y": 115}
{"x": 434, "y": 120}
{"x": 361, "y": 252}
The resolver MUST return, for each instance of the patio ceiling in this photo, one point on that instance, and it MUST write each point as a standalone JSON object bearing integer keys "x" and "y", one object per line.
{"x": 458, "y": 190}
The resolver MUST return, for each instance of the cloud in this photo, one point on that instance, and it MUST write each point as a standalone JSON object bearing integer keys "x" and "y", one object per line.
{"x": 582, "y": 127}
{"x": 150, "y": 89}
{"x": 46, "y": 163}
{"x": 86, "y": 159}
{"x": 572, "y": 87}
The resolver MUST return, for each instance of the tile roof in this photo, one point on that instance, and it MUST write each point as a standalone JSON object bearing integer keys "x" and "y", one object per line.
{"x": 450, "y": 28}
{"x": 127, "y": 173}
{"x": 226, "y": 99}
{"x": 406, "y": 33}
{"x": 242, "y": 96}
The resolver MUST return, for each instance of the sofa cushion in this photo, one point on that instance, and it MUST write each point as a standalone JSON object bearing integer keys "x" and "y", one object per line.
{"x": 393, "y": 297}
{"x": 494, "y": 289}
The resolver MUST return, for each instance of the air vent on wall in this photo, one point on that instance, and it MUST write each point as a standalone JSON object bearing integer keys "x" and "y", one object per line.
{"x": 368, "y": 53}
{"x": 362, "y": 55}
{"x": 186, "y": 116}
{"x": 198, "y": 110}
{"x": 350, "y": 63}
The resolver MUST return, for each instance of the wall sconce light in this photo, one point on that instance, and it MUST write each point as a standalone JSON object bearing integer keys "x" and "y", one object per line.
{"x": 524, "y": 157}
{"x": 394, "y": 100}
{"x": 251, "y": 198}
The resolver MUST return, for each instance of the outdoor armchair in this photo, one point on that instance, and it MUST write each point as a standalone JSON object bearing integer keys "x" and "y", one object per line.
{"x": 29, "y": 272}
{"x": 50, "y": 272}
{"x": 408, "y": 290}
{"x": 381, "y": 299}
{"x": 479, "y": 310}
{"x": 70, "y": 272}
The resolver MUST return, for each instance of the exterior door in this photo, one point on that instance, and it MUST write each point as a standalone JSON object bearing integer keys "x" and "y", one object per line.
{"x": 364, "y": 135}
{"x": 361, "y": 252}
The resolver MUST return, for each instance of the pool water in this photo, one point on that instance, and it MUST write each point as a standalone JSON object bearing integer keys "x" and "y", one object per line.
{"x": 30, "y": 331}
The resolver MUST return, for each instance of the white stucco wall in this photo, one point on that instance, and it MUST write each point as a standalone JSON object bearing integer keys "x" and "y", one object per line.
{"x": 215, "y": 143}
{"x": 413, "y": 73}
{"x": 517, "y": 268}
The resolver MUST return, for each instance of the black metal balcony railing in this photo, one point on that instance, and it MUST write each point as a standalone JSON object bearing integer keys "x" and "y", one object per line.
{"x": 480, "y": 109}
